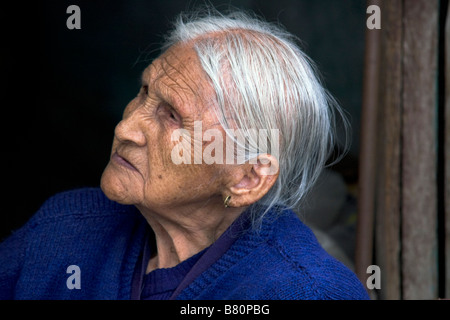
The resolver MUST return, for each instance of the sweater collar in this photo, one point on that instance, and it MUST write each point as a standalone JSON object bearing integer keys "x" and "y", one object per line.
{"x": 236, "y": 242}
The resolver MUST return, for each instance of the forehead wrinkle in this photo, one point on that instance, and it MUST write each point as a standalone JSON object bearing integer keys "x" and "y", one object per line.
{"x": 185, "y": 83}
{"x": 189, "y": 95}
{"x": 175, "y": 84}
{"x": 185, "y": 78}
{"x": 153, "y": 76}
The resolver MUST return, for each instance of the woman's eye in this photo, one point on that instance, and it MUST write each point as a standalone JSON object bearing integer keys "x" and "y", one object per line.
{"x": 172, "y": 115}
{"x": 167, "y": 112}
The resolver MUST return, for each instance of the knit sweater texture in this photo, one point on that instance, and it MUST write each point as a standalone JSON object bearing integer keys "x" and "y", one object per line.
{"x": 280, "y": 261}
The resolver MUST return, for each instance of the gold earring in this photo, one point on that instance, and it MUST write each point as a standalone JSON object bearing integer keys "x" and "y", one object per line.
{"x": 226, "y": 201}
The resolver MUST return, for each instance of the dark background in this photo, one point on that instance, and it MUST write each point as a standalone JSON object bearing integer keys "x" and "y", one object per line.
{"x": 64, "y": 90}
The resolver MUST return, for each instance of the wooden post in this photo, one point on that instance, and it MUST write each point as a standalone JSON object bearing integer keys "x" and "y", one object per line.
{"x": 419, "y": 150}
{"x": 404, "y": 159}
{"x": 447, "y": 155}
{"x": 388, "y": 159}
{"x": 368, "y": 150}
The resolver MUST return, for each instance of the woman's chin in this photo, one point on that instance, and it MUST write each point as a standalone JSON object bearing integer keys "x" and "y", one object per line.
{"x": 115, "y": 189}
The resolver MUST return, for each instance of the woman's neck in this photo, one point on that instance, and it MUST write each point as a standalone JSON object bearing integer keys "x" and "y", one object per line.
{"x": 180, "y": 236}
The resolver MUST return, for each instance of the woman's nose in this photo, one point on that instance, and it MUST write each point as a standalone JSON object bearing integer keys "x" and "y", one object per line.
{"x": 128, "y": 130}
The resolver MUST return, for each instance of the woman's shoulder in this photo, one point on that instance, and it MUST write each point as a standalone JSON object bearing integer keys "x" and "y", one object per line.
{"x": 82, "y": 202}
{"x": 306, "y": 262}
{"x": 78, "y": 227}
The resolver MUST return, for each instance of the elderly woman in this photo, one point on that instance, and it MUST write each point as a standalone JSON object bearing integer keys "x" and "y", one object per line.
{"x": 229, "y": 130}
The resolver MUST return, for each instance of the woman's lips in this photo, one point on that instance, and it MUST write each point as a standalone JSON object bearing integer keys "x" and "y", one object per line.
{"x": 122, "y": 161}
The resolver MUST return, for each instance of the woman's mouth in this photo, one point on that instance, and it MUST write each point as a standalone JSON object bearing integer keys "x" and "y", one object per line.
{"x": 122, "y": 161}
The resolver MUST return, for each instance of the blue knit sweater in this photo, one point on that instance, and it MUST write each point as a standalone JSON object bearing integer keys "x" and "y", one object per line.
{"x": 104, "y": 239}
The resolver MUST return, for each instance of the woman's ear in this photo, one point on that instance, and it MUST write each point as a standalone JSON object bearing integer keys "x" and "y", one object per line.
{"x": 255, "y": 181}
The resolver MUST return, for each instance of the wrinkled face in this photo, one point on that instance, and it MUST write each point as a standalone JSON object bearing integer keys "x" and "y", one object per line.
{"x": 175, "y": 93}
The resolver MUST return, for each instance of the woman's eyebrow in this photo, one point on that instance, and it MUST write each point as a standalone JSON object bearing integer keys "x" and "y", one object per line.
{"x": 165, "y": 86}
{"x": 175, "y": 103}
{"x": 162, "y": 91}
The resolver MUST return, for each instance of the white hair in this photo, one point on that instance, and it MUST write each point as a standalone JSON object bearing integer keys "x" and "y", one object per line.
{"x": 263, "y": 80}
